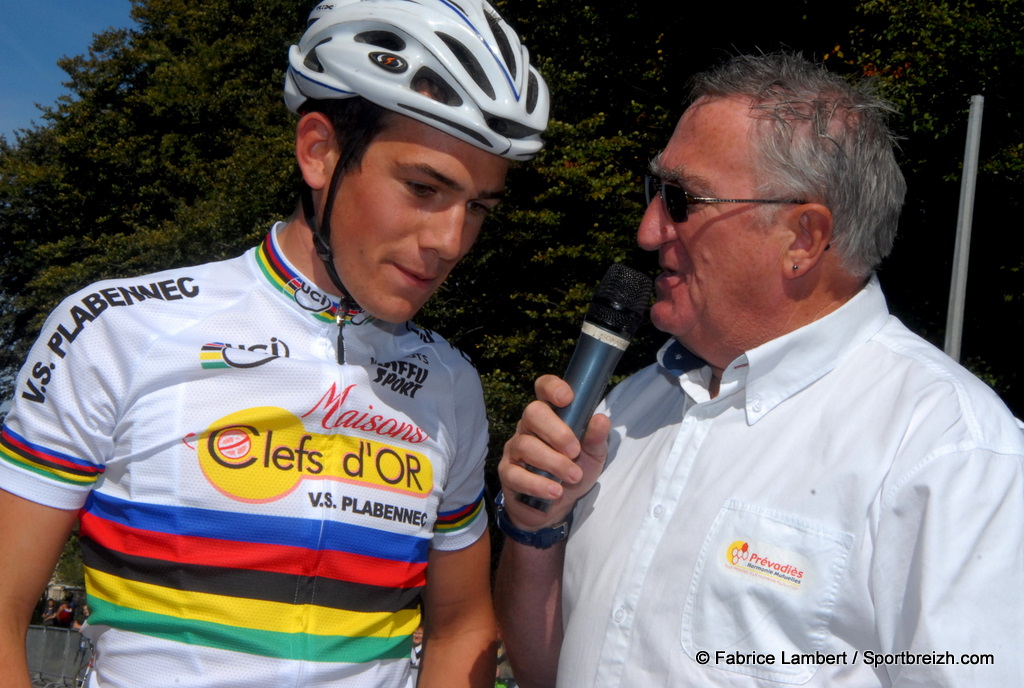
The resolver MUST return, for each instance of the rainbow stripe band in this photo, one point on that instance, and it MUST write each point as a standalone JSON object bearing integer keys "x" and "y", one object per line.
{"x": 269, "y": 585}
{"x": 450, "y": 521}
{"x": 16, "y": 450}
{"x": 284, "y": 279}
{"x": 264, "y": 642}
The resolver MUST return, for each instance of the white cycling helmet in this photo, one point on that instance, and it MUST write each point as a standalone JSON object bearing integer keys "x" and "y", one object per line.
{"x": 482, "y": 87}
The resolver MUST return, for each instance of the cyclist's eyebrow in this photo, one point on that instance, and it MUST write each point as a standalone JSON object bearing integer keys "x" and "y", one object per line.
{"x": 450, "y": 183}
{"x": 441, "y": 179}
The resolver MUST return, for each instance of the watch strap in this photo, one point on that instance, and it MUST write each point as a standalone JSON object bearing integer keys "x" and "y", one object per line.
{"x": 541, "y": 539}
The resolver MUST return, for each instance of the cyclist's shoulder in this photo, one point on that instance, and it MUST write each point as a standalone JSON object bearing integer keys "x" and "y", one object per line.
{"x": 191, "y": 287}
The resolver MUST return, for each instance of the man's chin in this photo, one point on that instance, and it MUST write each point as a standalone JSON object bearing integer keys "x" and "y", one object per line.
{"x": 668, "y": 320}
{"x": 394, "y": 313}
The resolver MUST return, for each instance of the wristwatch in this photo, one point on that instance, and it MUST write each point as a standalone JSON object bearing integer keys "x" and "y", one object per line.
{"x": 541, "y": 539}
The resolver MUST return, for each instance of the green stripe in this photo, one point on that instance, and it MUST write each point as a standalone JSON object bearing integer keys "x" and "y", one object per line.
{"x": 268, "y": 271}
{"x": 54, "y": 474}
{"x": 277, "y": 281}
{"x": 296, "y": 646}
{"x": 462, "y": 523}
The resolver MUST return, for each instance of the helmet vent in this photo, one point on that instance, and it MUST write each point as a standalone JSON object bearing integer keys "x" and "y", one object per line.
{"x": 433, "y": 86}
{"x": 312, "y": 60}
{"x": 501, "y": 39}
{"x": 469, "y": 63}
{"x": 382, "y": 39}
{"x": 532, "y": 93}
{"x": 509, "y": 129}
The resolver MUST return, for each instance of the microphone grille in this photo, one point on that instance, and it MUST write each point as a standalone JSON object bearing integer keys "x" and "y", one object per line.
{"x": 620, "y": 300}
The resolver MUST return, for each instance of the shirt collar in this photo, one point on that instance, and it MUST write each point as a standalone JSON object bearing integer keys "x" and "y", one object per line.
{"x": 282, "y": 276}
{"x": 777, "y": 370}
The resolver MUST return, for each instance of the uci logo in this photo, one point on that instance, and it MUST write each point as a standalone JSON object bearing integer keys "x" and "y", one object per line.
{"x": 389, "y": 62}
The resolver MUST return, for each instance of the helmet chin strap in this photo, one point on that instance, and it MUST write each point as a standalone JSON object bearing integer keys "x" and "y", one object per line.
{"x": 322, "y": 229}
{"x": 322, "y": 242}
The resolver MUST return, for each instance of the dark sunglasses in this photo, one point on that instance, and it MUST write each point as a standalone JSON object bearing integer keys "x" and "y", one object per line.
{"x": 677, "y": 201}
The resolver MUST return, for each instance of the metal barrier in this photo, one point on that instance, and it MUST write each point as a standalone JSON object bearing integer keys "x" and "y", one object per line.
{"x": 57, "y": 656}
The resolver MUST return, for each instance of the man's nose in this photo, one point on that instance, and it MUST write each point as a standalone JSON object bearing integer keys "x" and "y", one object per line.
{"x": 656, "y": 227}
{"x": 445, "y": 232}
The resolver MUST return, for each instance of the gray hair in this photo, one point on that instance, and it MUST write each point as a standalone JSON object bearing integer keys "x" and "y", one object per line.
{"x": 823, "y": 139}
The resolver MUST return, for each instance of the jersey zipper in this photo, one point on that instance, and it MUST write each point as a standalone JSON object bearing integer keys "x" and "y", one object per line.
{"x": 345, "y": 309}
{"x": 340, "y": 320}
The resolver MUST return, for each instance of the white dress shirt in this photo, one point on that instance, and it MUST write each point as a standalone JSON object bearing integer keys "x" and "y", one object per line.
{"x": 848, "y": 511}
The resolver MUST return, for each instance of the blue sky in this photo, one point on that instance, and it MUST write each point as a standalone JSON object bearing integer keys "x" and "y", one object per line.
{"x": 33, "y": 36}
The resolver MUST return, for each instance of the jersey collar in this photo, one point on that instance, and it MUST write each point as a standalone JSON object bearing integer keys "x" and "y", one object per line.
{"x": 296, "y": 287}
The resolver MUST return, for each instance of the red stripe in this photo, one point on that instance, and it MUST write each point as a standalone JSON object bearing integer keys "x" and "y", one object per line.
{"x": 185, "y": 549}
{"x": 458, "y": 515}
{"x": 275, "y": 261}
{"x": 44, "y": 458}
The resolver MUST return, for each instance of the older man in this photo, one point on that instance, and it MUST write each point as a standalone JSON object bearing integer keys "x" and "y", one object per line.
{"x": 800, "y": 491}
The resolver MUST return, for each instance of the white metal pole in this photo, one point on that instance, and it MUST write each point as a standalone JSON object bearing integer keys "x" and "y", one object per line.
{"x": 968, "y": 183}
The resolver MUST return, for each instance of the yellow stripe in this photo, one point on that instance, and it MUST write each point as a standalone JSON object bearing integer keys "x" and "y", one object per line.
{"x": 249, "y": 613}
{"x": 64, "y": 476}
{"x": 444, "y": 526}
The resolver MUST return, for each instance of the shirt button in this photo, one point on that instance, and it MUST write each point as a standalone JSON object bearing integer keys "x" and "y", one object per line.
{"x": 659, "y": 511}
{"x": 620, "y": 614}
{"x": 756, "y": 406}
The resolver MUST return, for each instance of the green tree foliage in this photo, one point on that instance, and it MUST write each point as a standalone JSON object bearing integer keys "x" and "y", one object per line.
{"x": 70, "y": 570}
{"x": 934, "y": 56}
{"x": 173, "y": 148}
{"x": 617, "y": 78}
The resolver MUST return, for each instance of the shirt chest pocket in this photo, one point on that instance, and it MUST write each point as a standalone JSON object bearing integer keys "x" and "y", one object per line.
{"x": 765, "y": 582}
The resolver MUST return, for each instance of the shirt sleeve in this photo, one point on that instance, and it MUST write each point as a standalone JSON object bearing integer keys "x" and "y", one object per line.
{"x": 948, "y": 574}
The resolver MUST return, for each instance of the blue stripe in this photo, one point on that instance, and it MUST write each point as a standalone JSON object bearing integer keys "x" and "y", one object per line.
{"x": 320, "y": 83}
{"x": 88, "y": 466}
{"x": 269, "y": 530}
{"x": 466, "y": 508}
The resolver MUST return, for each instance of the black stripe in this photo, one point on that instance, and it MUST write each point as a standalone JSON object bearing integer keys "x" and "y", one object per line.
{"x": 39, "y": 461}
{"x": 268, "y": 586}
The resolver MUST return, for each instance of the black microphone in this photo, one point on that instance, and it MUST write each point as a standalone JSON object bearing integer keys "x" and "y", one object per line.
{"x": 616, "y": 311}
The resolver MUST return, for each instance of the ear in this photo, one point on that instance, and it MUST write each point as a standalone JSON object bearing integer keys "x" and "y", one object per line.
{"x": 811, "y": 229}
{"x": 315, "y": 149}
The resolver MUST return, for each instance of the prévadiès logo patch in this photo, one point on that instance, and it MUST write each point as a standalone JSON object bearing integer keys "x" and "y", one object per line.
{"x": 768, "y": 563}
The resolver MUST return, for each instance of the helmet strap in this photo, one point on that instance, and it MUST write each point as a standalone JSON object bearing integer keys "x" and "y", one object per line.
{"x": 322, "y": 229}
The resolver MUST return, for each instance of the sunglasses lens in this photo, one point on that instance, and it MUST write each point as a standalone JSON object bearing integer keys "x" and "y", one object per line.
{"x": 651, "y": 187}
{"x": 675, "y": 201}
{"x": 673, "y": 197}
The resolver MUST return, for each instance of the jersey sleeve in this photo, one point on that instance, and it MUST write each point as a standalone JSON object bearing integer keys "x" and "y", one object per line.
{"x": 60, "y": 431}
{"x": 462, "y": 517}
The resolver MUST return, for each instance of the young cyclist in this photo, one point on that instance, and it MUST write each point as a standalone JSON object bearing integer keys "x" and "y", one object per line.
{"x": 277, "y": 473}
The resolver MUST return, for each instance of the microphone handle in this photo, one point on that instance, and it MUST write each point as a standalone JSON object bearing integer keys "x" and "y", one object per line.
{"x": 590, "y": 369}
